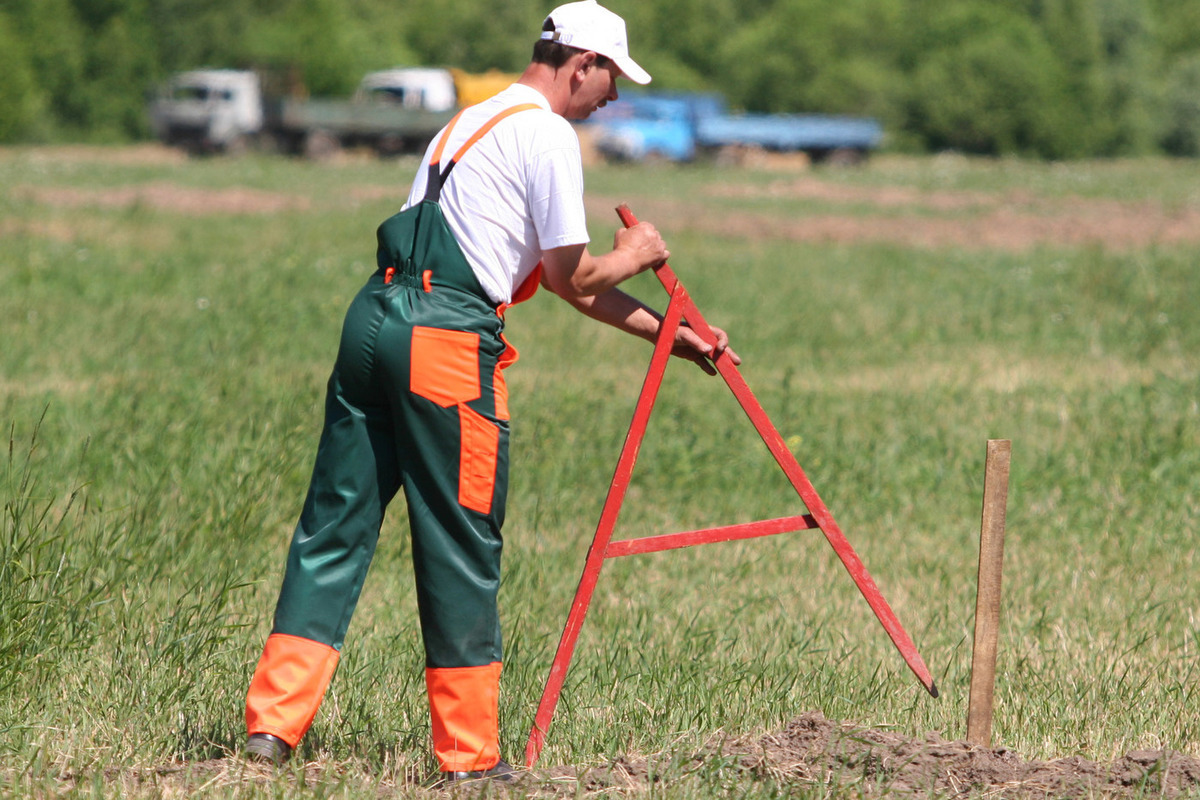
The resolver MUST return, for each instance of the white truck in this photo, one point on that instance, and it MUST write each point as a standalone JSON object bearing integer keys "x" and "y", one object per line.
{"x": 209, "y": 110}
{"x": 393, "y": 111}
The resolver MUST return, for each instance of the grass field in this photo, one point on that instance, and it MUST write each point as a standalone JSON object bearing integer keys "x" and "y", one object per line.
{"x": 168, "y": 325}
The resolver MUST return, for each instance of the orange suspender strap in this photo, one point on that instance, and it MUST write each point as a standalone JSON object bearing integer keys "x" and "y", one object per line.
{"x": 491, "y": 123}
{"x": 437, "y": 153}
{"x": 433, "y": 189}
{"x": 434, "y": 178}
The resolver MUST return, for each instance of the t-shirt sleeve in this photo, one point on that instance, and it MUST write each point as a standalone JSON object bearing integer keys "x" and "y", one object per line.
{"x": 556, "y": 190}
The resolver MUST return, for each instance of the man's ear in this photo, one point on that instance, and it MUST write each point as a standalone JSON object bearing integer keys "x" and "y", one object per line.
{"x": 587, "y": 60}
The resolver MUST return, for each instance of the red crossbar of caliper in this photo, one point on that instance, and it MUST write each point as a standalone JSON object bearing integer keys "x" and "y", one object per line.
{"x": 680, "y": 308}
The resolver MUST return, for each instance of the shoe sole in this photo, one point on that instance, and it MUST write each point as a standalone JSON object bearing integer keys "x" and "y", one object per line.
{"x": 264, "y": 750}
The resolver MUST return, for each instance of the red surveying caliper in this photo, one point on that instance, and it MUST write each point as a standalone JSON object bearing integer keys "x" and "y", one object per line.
{"x": 681, "y": 308}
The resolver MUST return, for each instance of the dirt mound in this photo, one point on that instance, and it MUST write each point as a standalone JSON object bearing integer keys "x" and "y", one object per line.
{"x": 815, "y": 752}
{"x": 889, "y": 761}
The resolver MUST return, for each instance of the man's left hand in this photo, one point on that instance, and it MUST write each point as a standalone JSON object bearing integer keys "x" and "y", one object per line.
{"x": 689, "y": 345}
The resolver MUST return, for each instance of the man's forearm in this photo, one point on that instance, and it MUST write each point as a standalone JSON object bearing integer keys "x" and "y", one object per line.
{"x": 620, "y": 310}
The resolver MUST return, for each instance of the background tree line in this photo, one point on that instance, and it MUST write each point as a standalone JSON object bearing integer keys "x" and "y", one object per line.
{"x": 1045, "y": 78}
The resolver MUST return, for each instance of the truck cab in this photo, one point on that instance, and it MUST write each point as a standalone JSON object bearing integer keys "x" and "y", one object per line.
{"x": 209, "y": 110}
{"x": 418, "y": 88}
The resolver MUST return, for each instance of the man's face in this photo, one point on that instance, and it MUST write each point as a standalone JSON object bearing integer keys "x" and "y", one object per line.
{"x": 596, "y": 89}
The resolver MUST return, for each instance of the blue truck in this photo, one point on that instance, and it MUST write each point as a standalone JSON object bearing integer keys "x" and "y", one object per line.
{"x": 682, "y": 126}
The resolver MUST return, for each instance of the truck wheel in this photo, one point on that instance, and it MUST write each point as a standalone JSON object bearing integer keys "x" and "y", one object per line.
{"x": 390, "y": 144}
{"x": 845, "y": 157}
{"x": 321, "y": 145}
{"x": 270, "y": 144}
{"x": 237, "y": 146}
{"x": 197, "y": 149}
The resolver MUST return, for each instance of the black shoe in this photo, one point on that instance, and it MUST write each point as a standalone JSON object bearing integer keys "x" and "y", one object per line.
{"x": 503, "y": 772}
{"x": 267, "y": 748}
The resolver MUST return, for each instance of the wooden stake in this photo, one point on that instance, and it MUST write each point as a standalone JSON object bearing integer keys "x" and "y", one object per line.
{"x": 987, "y": 601}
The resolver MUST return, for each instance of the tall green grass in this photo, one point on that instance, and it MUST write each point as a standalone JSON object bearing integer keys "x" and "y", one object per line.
{"x": 160, "y": 386}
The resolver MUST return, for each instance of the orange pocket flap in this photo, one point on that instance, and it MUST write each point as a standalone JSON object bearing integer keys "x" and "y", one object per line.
{"x": 445, "y": 365}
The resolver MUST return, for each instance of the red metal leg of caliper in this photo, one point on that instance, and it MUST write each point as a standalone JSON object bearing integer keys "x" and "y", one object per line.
{"x": 608, "y": 521}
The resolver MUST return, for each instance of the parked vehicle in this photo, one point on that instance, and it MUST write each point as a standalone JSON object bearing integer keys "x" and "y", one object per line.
{"x": 822, "y": 136}
{"x": 208, "y": 110}
{"x": 683, "y": 126}
{"x": 392, "y": 111}
{"x": 641, "y": 126}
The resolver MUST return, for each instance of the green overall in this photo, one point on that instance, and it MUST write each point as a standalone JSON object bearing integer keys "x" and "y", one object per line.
{"x": 416, "y": 401}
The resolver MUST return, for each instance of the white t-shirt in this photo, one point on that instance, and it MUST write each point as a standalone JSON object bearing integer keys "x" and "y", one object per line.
{"x": 516, "y": 192}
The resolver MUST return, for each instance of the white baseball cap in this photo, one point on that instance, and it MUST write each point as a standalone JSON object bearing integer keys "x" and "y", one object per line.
{"x": 586, "y": 25}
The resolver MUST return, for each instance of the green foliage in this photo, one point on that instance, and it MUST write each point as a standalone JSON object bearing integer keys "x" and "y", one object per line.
{"x": 312, "y": 35}
{"x": 474, "y": 37}
{"x": 1126, "y": 30}
{"x": 188, "y": 34}
{"x": 1051, "y": 78}
{"x": 680, "y": 42}
{"x": 1072, "y": 30}
{"x": 1183, "y": 108}
{"x": 1178, "y": 27}
{"x": 20, "y": 98}
{"x": 989, "y": 83}
{"x": 113, "y": 113}
{"x": 811, "y": 55}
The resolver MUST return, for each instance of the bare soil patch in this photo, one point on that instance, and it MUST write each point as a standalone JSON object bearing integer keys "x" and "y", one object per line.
{"x": 133, "y": 155}
{"x": 811, "y": 754}
{"x": 812, "y": 749}
{"x": 1015, "y": 221}
{"x": 167, "y": 197}
{"x": 57, "y": 230}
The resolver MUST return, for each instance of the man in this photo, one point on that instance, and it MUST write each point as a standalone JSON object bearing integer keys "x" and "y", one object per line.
{"x": 417, "y": 398}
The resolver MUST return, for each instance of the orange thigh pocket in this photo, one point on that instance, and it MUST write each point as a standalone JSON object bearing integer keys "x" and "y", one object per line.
{"x": 444, "y": 365}
{"x": 477, "y": 460}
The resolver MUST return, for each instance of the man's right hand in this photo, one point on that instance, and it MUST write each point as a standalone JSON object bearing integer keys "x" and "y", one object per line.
{"x": 644, "y": 244}
{"x": 572, "y": 272}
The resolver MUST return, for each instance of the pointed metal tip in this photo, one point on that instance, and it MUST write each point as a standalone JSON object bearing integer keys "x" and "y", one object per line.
{"x": 933, "y": 689}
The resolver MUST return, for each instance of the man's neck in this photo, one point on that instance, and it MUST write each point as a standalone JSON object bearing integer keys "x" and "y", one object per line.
{"x": 552, "y": 83}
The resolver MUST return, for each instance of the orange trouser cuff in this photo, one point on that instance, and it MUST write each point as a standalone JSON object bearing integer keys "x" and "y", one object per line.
{"x": 288, "y": 686}
{"x": 464, "y": 705}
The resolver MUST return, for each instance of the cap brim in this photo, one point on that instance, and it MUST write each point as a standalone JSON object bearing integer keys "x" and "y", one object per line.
{"x": 631, "y": 70}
